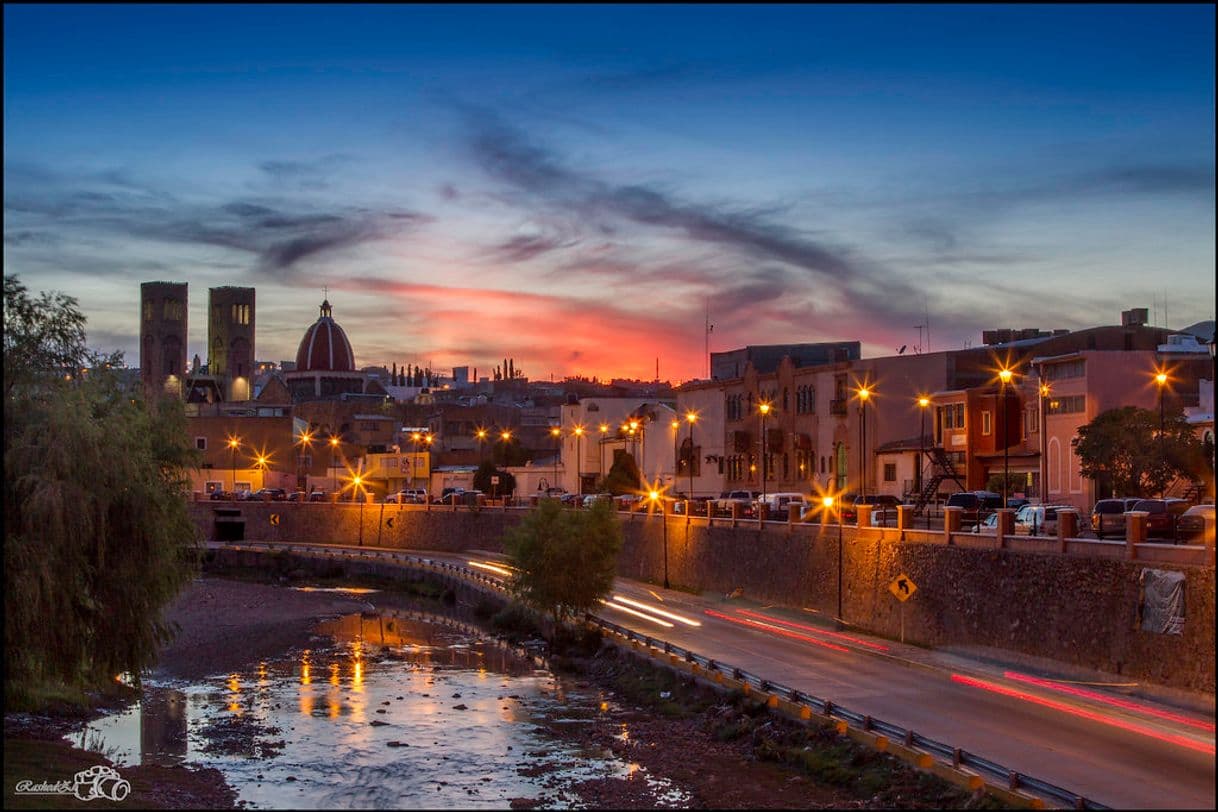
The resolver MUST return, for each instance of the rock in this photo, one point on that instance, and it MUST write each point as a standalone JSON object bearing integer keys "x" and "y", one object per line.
{"x": 460, "y": 707}
{"x": 396, "y": 743}
{"x": 378, "y": 723}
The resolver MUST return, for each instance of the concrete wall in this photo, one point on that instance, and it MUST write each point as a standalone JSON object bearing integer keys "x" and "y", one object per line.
{"x": 1075, "y": 609}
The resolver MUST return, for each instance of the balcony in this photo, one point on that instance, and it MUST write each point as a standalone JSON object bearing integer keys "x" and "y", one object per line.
{"x": 837, "y": 407}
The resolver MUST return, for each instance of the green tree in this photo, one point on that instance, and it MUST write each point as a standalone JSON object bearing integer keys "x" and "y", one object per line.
{"x": 97, "y": 536}
{"x": 482, "y": 480}
{"x": 1122, "y": 451}
{"x": 623, "y": 476}
{"x": 566, "y": 560}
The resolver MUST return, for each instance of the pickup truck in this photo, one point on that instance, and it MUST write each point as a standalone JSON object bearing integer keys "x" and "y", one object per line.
{"x": 723, "y": 505}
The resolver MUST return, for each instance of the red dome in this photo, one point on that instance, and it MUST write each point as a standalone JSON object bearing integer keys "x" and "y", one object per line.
{"x": 325, "y": 347}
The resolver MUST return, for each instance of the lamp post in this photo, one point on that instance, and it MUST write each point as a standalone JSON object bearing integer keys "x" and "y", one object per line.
{"x": 691, "y": 418}
{"x": 260, "y": 463}
{"x": 233, "y": 442}
{"x": 305, "y": 440}
{"x": 578, "y": 431}
{"x": 1004, "y": 375}
{"x": 676, "y": 461}
{"x": 333, "y": 467}
{"x": 828, "y": 502}
{"x": 654, "y": 496}
{"x": 864, "y": 395}
{"x": 556, "y": 433}
{"x": 600, "y": 452}
{"x": 634, "y": 427}
{"x": 1044, "y": 437}
{"x": 506, "y": 436}
{"x": 481, "y": 435}
{"x": 764, "y": 409}
{"x": 923, "y": 404}
{"x": 1161, "y": 380}
{"x": 357, "y": 482}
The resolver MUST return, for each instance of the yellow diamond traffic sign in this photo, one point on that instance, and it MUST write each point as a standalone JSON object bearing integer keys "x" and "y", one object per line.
{"x": 903, "y": 587}
{"x": 275, "y": 519}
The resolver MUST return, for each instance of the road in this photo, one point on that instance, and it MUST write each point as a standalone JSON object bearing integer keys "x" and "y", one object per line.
{"x": 1106, "y": 743}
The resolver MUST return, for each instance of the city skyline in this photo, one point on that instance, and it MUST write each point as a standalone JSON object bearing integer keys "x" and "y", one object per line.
{"x": 573, "y": 187}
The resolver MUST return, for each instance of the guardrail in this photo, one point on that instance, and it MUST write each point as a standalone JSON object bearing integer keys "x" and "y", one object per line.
{"x": 957, "y": 757}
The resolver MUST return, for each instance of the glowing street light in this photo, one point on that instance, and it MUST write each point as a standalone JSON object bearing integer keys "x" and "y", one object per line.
{"x": 763, "y": 409}
{"x": 1161, "y": 382}
{"x": 691, "y": 417}
{"x": 654, "y": 496}
{"x": 334, "y": 449}
{"x": 357, "y": 483}
{"x": 1004, "y": 375}
{"x": 233, "y": 443}
{"x": 864, "y": 395}
{"x": 923, "y": 404}
{"x": 556, "y": 433}
{"x": 828, "y": 501}
{"x": 578, "y": 431}
{"x": 481, "y": 435}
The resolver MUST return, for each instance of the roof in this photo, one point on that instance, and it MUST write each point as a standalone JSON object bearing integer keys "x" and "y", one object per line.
{"x": 325, "y": 347}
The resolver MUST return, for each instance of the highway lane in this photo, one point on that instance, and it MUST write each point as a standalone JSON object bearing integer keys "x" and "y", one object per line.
{"x": 1120, "y": 757}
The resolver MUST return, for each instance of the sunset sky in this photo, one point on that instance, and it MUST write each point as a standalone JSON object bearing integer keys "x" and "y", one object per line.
{"x": 573, "y": 186}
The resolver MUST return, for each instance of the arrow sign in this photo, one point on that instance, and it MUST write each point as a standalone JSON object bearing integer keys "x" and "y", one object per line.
{"x": 275, "y": 519}
{"x": 389, "y": 522}
{"x": 903, "y": 587}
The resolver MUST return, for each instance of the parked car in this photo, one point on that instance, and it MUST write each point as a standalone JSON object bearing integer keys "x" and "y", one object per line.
{"x": 443, "y": 499}
{"x": 297, "y": 496}
{"x": 1196, "y": 525}
{"x": 1164, "y": 513}
{"x": 777, "y": 503}
{"x": 987, "y": 526}
{"x": 745, "y": 499}
{"x": 1108, "y": 516}
{"x": 273, "y": 494}
{"x": 407, "y": 496}
{"x": 976, "y": 505}
{"x": 318, "y": 496}
{"x": 220, "y": 496}
{"x": 1039, "y": 520}
{"x": 592, "y": 498}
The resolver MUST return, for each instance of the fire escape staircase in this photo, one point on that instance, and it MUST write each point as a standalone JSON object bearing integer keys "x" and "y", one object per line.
{"x": 941, "y": 468}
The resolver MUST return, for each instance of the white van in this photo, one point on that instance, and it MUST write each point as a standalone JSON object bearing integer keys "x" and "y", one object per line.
{"x": 779, "y": 502}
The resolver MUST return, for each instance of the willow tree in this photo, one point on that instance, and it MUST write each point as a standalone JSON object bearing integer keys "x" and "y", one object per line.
{"x": 97, "y": 537}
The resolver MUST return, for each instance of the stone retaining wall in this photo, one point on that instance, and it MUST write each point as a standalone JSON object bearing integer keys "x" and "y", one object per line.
{"x": 1075, "y": 609}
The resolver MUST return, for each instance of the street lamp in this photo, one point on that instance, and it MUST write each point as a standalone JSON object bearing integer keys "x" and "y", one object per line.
{"x": 305, "y": 440}
{"x": 600, "y": 452}
{"x": 481, "y": 435}
{"x": 578, "y": 431}
{"x": 233, "y": 442}
{"x": 676, "y": 463}
{"x": 357, "y": 482}
{"x": 828, "y": 502}
{"x": 333, "y": 467}
{"x": 634, "y": 427}
{"x": 556, "y": 433}
{"x": 260, "y": 463}
{"x": 923, "y": 404}
{"x": 691, "y": 417}
{"x": 1161, "y": 380}
{"x": 1044, "y": 437}
{"x": 764, "y": 409}
{"x": 654, "y": 496}
{"x": 864, "y": 394}
{"x": 1004, "y": 375}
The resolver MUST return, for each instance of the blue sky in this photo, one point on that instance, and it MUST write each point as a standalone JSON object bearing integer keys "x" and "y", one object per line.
{"x": 573, "y": 186}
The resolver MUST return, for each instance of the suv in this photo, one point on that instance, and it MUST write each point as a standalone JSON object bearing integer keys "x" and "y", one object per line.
{"x": 415, "y": 496}
{"x": 1108, "y": 516}
{"x": 976, "y": 504}
{"x": 1039, "y": 520}
{"x": 1196, "y": 526}
{"x": 318, "y": 496}
{"x": 743, "y": 498}
{"x": 1161, "y": 523}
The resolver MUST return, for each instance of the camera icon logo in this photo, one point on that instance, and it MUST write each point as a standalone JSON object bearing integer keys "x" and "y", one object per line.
{"x": 100, "y": 781}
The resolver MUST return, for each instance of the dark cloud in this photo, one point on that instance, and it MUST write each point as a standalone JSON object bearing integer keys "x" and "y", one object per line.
{"x": 507, "y": 155}
{"x": 278, "y": 233}
{"x": 527, "y": 247}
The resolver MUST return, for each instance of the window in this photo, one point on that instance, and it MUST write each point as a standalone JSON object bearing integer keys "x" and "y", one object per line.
{"x": 147, "y": 311}
{"x": 987, "y": 426}
{"x": 959, "y": 410}
{"x": 1067, "y": 369}
{"x": 241, "y": 314}
{"x": 173, "y": 310}
{"x": 1067, "y": 404}
{"x": 890, "y": 472}
{"x": 201, "y": 443}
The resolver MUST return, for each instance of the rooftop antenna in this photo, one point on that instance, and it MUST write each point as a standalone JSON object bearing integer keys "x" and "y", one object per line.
{"x": 709, "y": 328}
{"x": 918, "y": 348}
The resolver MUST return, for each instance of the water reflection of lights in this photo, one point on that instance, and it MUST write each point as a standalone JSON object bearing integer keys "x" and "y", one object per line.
{"x": 305, "y": 678}
{"x": 657, "y": 611}
{"x": 495, "y": 568}
{"x": 234, "y": 687}
{"x": 334, "y": 673}
{"x": 637, "y": 613}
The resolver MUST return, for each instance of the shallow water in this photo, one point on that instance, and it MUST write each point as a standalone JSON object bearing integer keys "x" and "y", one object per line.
{"x": 299, "y": 732}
